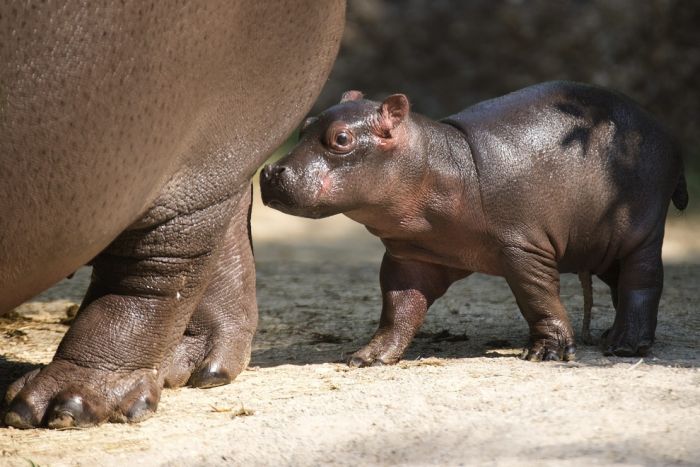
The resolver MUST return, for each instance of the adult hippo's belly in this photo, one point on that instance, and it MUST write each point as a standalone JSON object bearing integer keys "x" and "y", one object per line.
{"x": 128, "y": 137}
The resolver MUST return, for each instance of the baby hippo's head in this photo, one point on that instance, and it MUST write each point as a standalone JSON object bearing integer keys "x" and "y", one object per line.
{"x": 346, "y": 159}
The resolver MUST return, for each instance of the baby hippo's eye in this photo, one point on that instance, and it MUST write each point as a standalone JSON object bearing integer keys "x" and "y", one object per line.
{"x": 340, "y": 139}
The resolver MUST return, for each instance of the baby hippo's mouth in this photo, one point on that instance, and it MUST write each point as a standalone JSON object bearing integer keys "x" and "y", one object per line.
{"x": 290, "y": 208}
{"x": 277, "y": 190}
{"x": 273, "y": 190}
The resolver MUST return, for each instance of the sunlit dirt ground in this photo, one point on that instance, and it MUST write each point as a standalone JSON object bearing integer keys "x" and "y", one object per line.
{"x": 461, "y": 396}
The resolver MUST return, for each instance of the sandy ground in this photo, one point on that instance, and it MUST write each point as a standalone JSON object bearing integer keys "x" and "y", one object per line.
{"x": 460, "y": 396}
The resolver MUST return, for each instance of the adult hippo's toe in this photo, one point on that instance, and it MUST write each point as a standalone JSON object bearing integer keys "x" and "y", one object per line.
{"x": 128, "y": 137}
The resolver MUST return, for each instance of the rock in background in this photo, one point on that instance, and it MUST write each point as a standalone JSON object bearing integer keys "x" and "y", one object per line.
{"x": 448, "y": 54}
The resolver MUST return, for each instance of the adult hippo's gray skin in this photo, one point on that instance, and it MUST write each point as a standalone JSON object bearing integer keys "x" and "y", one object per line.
{"x": 129, "y": 132}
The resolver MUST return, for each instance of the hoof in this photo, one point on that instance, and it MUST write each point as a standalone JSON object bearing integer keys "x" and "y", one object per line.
{"x": 357, "y": 362}
{"x": 206, "y": 362}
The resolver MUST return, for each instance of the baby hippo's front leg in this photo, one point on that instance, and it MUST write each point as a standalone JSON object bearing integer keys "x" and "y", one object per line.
{"x": 408, "y": 289}
{"x": 534, "y": 279}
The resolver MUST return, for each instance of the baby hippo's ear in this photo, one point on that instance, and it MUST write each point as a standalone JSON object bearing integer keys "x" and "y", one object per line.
{"x": 308, "y": 122}
{"x": 393, "y": 111}
{"x": 351, "y": 96}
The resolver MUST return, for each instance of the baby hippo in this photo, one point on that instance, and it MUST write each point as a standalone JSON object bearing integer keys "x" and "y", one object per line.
{"x": 557, "y": 177}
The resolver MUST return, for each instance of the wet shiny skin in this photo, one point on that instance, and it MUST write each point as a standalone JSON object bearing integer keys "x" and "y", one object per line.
{"x": 557, "y": 177}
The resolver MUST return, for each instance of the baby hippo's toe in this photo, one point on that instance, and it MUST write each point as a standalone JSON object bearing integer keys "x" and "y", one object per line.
{"x": 546, "y": 350}
{"x": 376, "y": 353}
{"x": 357, "y": 361}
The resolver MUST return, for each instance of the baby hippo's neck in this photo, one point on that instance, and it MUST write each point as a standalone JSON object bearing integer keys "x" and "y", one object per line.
{"x": 437, "y": 191}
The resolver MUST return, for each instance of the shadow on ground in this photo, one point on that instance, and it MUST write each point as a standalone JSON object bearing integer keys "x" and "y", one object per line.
{"x": 461, "y": 393}
{"x": 476, "y": 318}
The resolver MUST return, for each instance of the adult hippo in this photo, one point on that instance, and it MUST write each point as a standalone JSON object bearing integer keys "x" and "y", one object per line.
{"x": 129, "y": 132}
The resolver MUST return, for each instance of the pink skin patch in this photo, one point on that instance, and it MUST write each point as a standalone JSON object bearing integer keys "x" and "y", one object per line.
{"x": 326, "y": 184}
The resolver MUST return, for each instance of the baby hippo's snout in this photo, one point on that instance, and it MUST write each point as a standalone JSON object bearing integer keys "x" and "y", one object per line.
{"x": 275, "y": 186}
{"x": 271, "y": 172}
{"x": 297, "y": 189}
{"x": 270, "y": 177}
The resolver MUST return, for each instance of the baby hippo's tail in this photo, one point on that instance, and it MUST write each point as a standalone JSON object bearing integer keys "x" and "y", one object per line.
{"x": 680, "y": 194}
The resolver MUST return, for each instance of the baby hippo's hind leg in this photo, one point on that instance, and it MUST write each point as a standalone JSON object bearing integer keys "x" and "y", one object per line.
{"x": 587, "y": 286}
{"x": 611, "y": 278}
{"x": 639, "y": 286}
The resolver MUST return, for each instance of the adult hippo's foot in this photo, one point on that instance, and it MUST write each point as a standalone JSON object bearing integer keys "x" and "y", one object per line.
{"x": 550, "y": 340}
{"x": 216, "y": 345}
{"x": 617, "y": 343}
{"x": 145, "y": 288}
{"x": 91, "y": 396}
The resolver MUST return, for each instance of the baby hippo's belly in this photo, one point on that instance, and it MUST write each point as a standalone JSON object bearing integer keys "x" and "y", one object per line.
{"x": 590, "y": 245}
{"x": 449, "y": 252}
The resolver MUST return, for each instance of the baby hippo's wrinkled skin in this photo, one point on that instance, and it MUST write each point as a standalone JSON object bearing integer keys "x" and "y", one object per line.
{"x": 557, "y": 177}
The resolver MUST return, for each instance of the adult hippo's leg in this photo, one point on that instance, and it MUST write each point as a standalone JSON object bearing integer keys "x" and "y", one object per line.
{"x": 145, "y": 287}
{"x": 140, "y": 158}
{"x": 217, "y": 341}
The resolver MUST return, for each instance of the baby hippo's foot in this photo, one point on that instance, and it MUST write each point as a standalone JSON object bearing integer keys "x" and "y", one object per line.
{"x": 636, "y": 300}
{"x": 547, "y": 349}
{"x": 632, "y": 333}
{"x": 617, "y": 343}
{"x": 381, "y": 350}
{"x": 63, "y": 395}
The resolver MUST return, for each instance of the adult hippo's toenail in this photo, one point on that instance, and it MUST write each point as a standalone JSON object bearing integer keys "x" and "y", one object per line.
{"x": 62, "y": 419}
{"x": 141, "y": 409}
{"x": 21, "y": 415}
{"x": 71, "y": 410}
{"x": 210, "y": 376}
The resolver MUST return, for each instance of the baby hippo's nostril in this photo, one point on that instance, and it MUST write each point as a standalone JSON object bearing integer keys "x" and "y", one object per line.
{"x": 272, "y": 172}
{"x": 275, "y": 185}
{"x": 265, "y": 173}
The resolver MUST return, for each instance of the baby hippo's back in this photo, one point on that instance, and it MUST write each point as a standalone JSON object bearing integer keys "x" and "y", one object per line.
{"x": 571, "y": 167}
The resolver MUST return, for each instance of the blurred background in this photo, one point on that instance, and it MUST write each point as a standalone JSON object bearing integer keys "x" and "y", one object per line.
{"x": 448, "y": 54}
